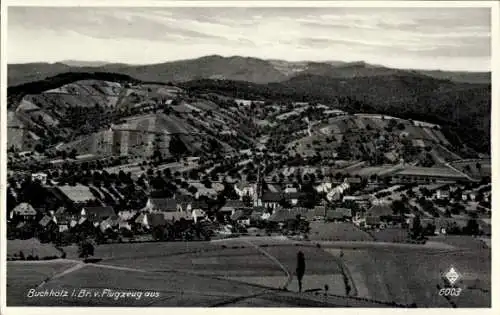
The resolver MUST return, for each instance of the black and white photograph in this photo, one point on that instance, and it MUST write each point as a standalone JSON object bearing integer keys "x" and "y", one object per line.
{"x": 243, "y": 154}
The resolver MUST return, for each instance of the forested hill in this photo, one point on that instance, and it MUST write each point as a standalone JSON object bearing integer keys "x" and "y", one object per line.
{"x": 463, "y": 109}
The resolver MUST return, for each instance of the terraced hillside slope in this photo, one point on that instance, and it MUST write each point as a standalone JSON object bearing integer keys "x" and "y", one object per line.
{"x": 95, "y": 116}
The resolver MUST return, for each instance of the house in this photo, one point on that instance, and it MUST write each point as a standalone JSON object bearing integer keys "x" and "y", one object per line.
{"x": 161, "y": 205}
{"x": 24, "y": 211}
{"x": 243, "y": 189}
{"x": 151, "y": 220}
{"x": 442, "y": 194}
{"x": 47, "y": 222}
{"x": 60, "y": 211}
{"x": 241, "y": 217}
{"x": 41, "y": 177}
{"x": 184, "y": 203}
{"x": 63, "y": 220}
{"x": 104, "y": 226}
{"x": 324, "y": 187}
{"x": 72, "y": 223}
{"x": 271, "y": 200}
{"x": 293, "y": 197}
{"x": 265, "y": 215}
{"x": 232, "y": 205}
{"x": 124, "y": 224}
{"x": 126, "y": 215}
{"x": 256, "y": 216}
{"x": 337, "y": 191}
{"x": 97, "y": 214}
{"x": 177, "y": 216}
{"x": 198, "y": 215}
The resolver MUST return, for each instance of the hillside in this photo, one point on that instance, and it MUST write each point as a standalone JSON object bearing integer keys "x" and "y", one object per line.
{"x": 376, "y": 139}
{"x": 87, "y": 114}
{"x": 229, "y": 68}
{"x": 458, "y": 76}
{"x": 462, "y": 109}
{"x": 30, "y": 72}
{"x": 74, "y": 104}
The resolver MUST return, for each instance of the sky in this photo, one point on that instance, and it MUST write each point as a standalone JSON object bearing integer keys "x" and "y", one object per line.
{"x": 417, "y": 38}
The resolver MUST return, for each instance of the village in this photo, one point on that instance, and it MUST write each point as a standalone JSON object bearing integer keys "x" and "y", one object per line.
{"x": 121, "y": 209}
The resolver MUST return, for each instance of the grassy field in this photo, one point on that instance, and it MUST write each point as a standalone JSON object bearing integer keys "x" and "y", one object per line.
{"x": 461, "y": 241}
{"x": 144, "y": 250}
{"x": 337, "y": 232}
{"x": 23, "y": 276}
{"x": 230, "y": 272}
{"x": 390, "y": 235}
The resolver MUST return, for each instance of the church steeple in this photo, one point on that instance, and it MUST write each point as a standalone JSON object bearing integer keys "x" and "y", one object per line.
{"x": 257, "y": 202}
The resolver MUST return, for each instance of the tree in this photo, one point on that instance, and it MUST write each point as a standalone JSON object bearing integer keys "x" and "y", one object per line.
{"x": 344, "y": 151}
{"x": 472, "y": 227}
{"x": 416, "y": 231}
{"x": 158, "y": 233}
{"x": 301, "y": 268}
{"x": 247, "y": 200}
{"x": 398, "y": 208}
{"x": 85, "y": 249}
{"x": 285, "y": 203}
{"x": 177, "y": 146}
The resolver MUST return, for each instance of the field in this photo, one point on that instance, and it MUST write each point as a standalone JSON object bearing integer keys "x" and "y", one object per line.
{"x": 252, "y": 271}
{"x": 337, "y": 231}
{"x": 430, "y": 171}
{"x": 471, "y": 169}
{"x": 390, "y": 235}
{"x": 23, "y": 276}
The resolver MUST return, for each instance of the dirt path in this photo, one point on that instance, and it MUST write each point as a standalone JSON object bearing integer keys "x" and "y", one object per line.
{"x": 71, "y": 269}
{"x": 275, "y": 260}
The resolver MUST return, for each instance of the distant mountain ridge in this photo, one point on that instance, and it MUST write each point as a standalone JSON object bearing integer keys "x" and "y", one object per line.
{"x": 234, "y": 68}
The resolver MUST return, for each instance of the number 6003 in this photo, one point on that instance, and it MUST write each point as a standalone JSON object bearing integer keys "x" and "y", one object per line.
{"x": 450, "y": 292}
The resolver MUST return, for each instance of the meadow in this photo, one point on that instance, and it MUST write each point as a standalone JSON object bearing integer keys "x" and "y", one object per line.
{"x": 254, "y": 270}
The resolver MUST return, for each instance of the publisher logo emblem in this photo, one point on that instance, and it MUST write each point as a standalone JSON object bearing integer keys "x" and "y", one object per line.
{"x": 452, "y": 276}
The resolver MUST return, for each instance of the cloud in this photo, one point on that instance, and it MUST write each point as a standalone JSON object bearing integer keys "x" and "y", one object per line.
{"x": 145, "y": 35}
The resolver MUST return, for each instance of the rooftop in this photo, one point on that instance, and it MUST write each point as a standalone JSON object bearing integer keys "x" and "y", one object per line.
{"x": 77, "y": 193}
